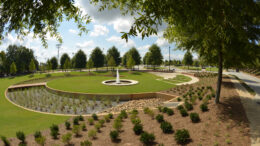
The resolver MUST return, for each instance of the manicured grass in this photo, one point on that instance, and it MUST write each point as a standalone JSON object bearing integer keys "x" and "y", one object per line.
{"x": 212, "y": 69}
{"x": 179, "y": 79}
{"x": 190, "y": 68}
{"x": 13, "y": 119}
{"x": 93, "y": 84}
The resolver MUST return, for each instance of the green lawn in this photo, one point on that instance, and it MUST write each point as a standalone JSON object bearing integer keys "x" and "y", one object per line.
{"x": 93, "y": 84}
{"x": 212, "y": 69}
{"x": 190, "y": 67}
{"x": 179, "y": 79}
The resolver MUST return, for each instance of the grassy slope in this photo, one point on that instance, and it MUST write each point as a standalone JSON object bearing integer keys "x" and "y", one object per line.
{"x": 92, "y": 84}
{"x": 179, "y": 79}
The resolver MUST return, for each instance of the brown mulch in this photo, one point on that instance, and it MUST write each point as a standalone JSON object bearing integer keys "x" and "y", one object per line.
{"x": 223, "y": 123}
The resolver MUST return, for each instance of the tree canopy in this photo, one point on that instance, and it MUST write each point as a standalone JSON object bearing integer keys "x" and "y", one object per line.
{"x": 63, "y": 59}
{"x": 113, "y": 52}
{"x": 97, "y": 57}
{"x": 32, "y": 66}
{"x": 155, "y": 56}
{"x": 80, "y": 60}
{"x": 187, "y": 59}
{"x": 54, "y": 63}
{"x": 13, "y": 69}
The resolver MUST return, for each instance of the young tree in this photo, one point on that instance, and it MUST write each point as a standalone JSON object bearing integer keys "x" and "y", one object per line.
{"x": 80, "y": 60}
{"x": 32, "y": 67}
{"x": 90, "y": 64}
{"x": 49, "y": 65}
{"x": 155, "y": 57}
{"x": 135, "y": 55}
{"x": 147, "y": 58}
{"x": 54, "y": 63}
{"x": 97, "y": 57}
{"x": 66, "y": 65}
{"x": 113, "y": 52}
{"x": 130, "y": 62}
{"x": 111, "y": 62}
{"x": 2, "y": 63}
{"x": 13, "y": 69}
{"x": 187, "y": 59}
{"x": 63, "y": 59}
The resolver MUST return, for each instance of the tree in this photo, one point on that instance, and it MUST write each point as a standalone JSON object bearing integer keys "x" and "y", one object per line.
{"x": 225, "y": 32}
{"x": 111, "y": 62}
{"x": 113, "y": 52}
{"x": 54, "y": 63}
{"x": 2, "y": 63}
{"x": 32, "y": 67}
{"x": 130, "y": 62}
{"x": 40, "y": 17}
{"x": 155, "y": 57}
{"x": 13, "y": 69}
{"x": 49, "y": 65}
{"x": 97, "y": 57}
{"x": 66, "y": 64}
{"x": 80, "y": 60}
{"x": 124, "y": 58}
{"x": 187, "y": 59}
{"x": 63, "y": 59}
{"x": 135, "y": 55}
{"x": 90, "y": 64}
{"x": 146, "y": 59}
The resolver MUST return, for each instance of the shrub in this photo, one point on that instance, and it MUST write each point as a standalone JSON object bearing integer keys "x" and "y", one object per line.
{"x": 40, "y": 140}
{"x": 123, "y": 114}
{"x": 37, "y": 134}
{"x": 151, "y": 114}
{"x": 188, "y": 106}
{"x": 5, "y": 141}
{"x": 95, "y": 117}
{"x": 159, "y": 118}
{"x": 179, "y": 107}
{"x": 200, "y": 97}
{"x": 98, "y": 126}
{"x": 178, "y": 99}
{"x": 81, "y": 118}
{"x": 166, "y": 127}
{"x": 170, "y": 112}
{"x": 208, "y": 97}
{"x": 134, "y": 111}
{"x": 76, "y": 130}
{"x": 90, "y": 121}
{"x": 159, "y": 108}
{"x": 101, "y": 121}
{"x": 66, "y": 138}
{"x": 54, "y": 131}
{"x": 76, "y": 121}
{"x": 110, "y": 116}
{"x": 48, "y": 75}
{"x": 107, "y": 119}
{"x": 147, "y": 138}
{"x": 183, "y": 112}
{"x": 213, "y": 95}
{"x": 194, "y": 117}
{"x": 146, "y": 110}
{"x": 165, "y": 109}
{"x": 86, "y": 143}
{"x": 117, "y": 125}
{"x": 138, "y": 129}
{"x": 83, "y": 127}
{"x": 136, "y": 121}
{"x": 92, "y": 133}
{"x": 182, "y": 136}
{"x": 67, "y": 125}
{"x": 114, "y": 135}
{"x": 204, "y": 107}
{"x": 21, "y": 136}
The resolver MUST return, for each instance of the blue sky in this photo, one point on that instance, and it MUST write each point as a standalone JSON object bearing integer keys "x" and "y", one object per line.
{"x": 104, "y": 32}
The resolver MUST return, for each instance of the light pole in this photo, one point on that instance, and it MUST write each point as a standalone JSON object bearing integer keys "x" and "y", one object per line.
{"x": 58, "y": 47}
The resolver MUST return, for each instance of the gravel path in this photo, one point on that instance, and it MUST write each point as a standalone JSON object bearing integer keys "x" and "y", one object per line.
{"x": 250, "y": 103}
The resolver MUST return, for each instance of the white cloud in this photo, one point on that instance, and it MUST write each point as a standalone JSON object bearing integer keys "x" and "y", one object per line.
{"x": 73, "y": 31}
{"x": 99, "y": 30}
{"x": 119, "y": 41}
{"x": 122, "y": 24}
{"x": 85, "y": 45}
{"x": 161, "y": 42}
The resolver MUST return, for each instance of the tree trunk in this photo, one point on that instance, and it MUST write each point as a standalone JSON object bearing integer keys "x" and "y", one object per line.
{"x": 220, "y": 68}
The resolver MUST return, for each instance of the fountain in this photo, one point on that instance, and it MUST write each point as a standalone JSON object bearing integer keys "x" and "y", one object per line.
{"x": 118, "y": 82}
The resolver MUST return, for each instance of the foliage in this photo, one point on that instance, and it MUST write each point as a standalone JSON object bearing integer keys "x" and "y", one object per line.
{"x": 86, "y": 143}
{"x": 130, "y": 62}
{"x": 98, "y": 126}
{"x": 83, "y": 127}
{"x": 95, "y": 117}
{"x": 67, "y": 125}
{"x": 183, "y": 112}
{"x": 21, "y": 136}
{"x": 101, "y": 122}
{"x": 147, "y": 138}
{"x": 182, "y": 136}
{"x": 123, "y": 114}
{"x": 90, "y": 64}
{"x": 90, "y": 121}
{"x": 92, "y": 133}
{"x": 37, "y": 134}
{"x": 5, "y": 141}
{"x": 32, "y": 66}
{"x": 179, "y": 107}
{"x": 97, "y": 57}
{"x": 166, "y": 127}
{"x": 113, "y": 52}
{"x": 159, "y": 118}
{"x": 64, "y": 61}
{"x": 54, "y": 63}
{"x": 194, "y": 117}
{"x": 80, "y": 60}
{"x": 138, "y": 129}
{"x": 187, "y": 59}
{"x": 54, "y": 131}
{"x": 155, "y": 56}
{"x": 76, "y": 130}
{"x": 111, "y": 62}
{"x": 117, "y": 124}
{"x": 13, "y": 69}
{"x": 40, "y": 140}
{"x": 66, "y": 138}
{"x": 170, "y": 112}
{"x": 76, "y": 121}
{"x": 110, "y": 115}
{"x": 188, "y": 106}
{"x": 204, "y": 107}
{"x": 114, "y": 135}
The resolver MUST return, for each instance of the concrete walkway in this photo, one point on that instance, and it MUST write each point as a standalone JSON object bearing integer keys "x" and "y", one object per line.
{"x": 251, "y": 103}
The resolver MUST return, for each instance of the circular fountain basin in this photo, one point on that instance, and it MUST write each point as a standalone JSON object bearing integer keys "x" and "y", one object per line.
{"x": 123, "y": 82}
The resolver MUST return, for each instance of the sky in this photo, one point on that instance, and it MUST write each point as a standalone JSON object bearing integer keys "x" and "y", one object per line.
{"x": 104, "y": 32}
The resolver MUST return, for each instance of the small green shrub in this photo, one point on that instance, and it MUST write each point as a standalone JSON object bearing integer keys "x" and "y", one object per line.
{"x": 159, "y": 108}
{"x": 110, "y": 115}
{"x": 178, "y": 99}
{"x": 114, "y": 135}
{"x": 83, "y": 127}
{"x": 147, "y": 138}
{"x": 146, "y": 110}
{"x": 81, "y": 118}
{"x": 165, "y": 109}
{"x": 37, "y": 134}
{"x": 138, "y": 129}
{"x": 188, "y": 106}
{"x": 48, "y": 75}
{"x": 21, "y": 136}
{"x": 5, "y": 141}
{"x": 166, "y": 127}
{"x": 134, "y": 111}
{"x": 208, "y": 97}
{"x": 40, "y": 140}
{"x": 117, "y": 125}
{"x": 92, "y": 133}
{"x": 182, "y": 136}
{"x": 123, "y": 114}
{"x": 76, "y": 121}
{"x": 151, "y": 114}
{"x": 54, "y": 131}
{"x": 67, "y": 125}
{"x": 107, "y": 119}
{"x": 200, "y": 97}
{"x": 98, "y": 126}
{"x": 170, "y": 112}
{"x": 184, "y": 112}
{"x": 101, "y": 121}
{"x": 179, "y": 107}
{"x": 90, "y": 121}
{"x": 159, "y": 118}
{"x": 95, "y": 117}
{"x": 204, "y": 107}
{"x": 86, "y": 143}
{"x": 136, "y": 121}
{"x": 194, "y": 117}
{"x": 76, "y": 130}
{"x": 66, "y": 138}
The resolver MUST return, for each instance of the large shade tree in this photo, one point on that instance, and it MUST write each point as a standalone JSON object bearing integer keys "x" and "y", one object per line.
{"x": 113, "y": 52}
{"x": 187, "y": 59}
{"x": 225, "y": 32}
{"x": 63, "y": 59}
{"x": 97, "y": 57}
{"x": 80, "y": 60}
{"x": 54, "y": 63}
{"x": 155, "y": 56}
